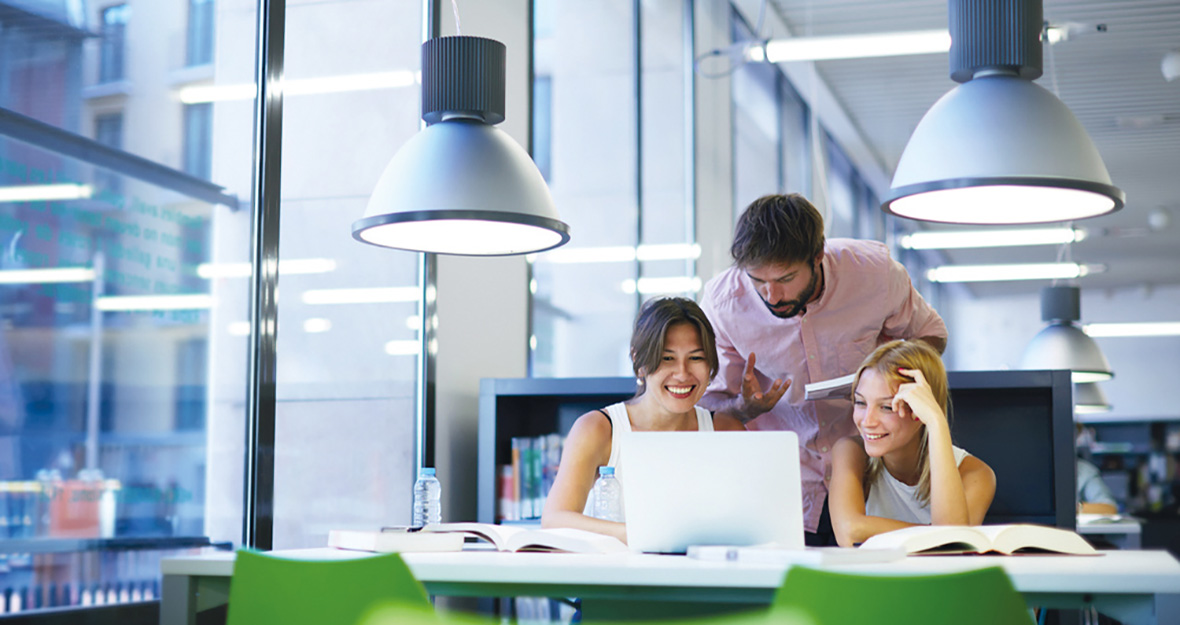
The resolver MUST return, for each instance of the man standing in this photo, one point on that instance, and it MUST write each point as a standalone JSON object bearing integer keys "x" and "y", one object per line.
{"x": 793, "y": 310}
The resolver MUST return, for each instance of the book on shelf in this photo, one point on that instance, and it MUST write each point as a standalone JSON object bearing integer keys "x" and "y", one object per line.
{"x": 835, "y": 388}
{"x": 1008, "y": 539}
{"x": 390, "y": 542}
{"x": 518, "y": 538}
{"x": 810, "y": 556}
{"x": 525, "y": 483}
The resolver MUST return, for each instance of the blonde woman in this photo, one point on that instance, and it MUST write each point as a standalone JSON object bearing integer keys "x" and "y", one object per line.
{"x": 902, "y": 469}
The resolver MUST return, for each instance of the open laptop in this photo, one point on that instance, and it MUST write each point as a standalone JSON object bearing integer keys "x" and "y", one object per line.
{"x": 712, "y": 488}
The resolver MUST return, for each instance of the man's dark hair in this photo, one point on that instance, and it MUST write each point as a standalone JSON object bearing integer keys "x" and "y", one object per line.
{"x": 778, "y": 230}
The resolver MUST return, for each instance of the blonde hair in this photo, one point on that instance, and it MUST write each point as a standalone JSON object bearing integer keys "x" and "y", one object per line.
{"x": 886, "y": 360}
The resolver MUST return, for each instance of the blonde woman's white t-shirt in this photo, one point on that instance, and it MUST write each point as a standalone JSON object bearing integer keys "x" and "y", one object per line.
{"x": 893, "y": 499}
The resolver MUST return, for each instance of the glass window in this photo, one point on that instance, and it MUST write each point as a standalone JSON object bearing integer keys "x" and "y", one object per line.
{"x": 123, "y": 297}
{"x": 198, "y": 139}
{"x": 200, "y": 32}
{"x": 841, "y": 194}
{"x": 114, "y": 43}
{"x": 758, "y": 147}
{"x": 581, "y": 311}
{"x": 108, "y": 130}
{"x": 543, "y": 125}
{"x": 348, "y": 339}
{"x": 124, "y": 293}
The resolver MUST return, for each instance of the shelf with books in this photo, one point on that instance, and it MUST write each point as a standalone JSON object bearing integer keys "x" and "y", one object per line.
{"x": 534, "y": 409}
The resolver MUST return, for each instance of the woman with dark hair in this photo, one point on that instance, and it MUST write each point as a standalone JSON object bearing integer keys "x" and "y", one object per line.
{"x": 902, "y": 469}
{"x": 674, "y": 356}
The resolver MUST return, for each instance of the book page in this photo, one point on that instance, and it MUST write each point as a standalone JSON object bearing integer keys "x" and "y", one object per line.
{"x": 1012, "y": 538}
{"x": 388, "y": 542}
{"x": 941, "y": 539}
{"x": 564, "y": 539}
{"x": 835, "y": 388}
{"x": 498, "y": 535}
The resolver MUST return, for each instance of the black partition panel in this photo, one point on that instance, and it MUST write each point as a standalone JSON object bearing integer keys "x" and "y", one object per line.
{"x": 1021, "y": 424}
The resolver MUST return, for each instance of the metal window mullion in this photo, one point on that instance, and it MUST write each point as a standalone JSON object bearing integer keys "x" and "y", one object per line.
{"x": 258, "y": 517}
{"x": 690, "y": 134}
{"x": 637, "y": 46}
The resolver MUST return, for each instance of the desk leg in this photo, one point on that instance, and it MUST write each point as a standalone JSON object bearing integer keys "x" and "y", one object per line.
{"x": 182, "y": 597}
{"x": 178, "y": 600}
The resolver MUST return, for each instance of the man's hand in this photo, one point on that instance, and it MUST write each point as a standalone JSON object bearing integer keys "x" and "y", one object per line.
{"x": 754, "y": 401}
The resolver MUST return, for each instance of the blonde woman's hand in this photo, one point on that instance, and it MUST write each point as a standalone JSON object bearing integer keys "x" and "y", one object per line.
{"x": 916, "y": 401}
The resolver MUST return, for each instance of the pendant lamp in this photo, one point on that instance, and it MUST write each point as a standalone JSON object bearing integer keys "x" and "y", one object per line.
{"x": 999, "y": 149}
{"x": 462, "y": 186}
{"x": 1088, "y": 398}
{"x": 1062, "y": 344}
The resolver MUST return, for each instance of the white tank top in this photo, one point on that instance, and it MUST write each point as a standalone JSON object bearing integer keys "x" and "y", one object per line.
{"x": 893, "y": 499}
{"x": 620, "y": 429}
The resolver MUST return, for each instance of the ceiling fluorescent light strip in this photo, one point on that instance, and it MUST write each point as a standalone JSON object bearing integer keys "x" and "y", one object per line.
{"x": 623, "y": 253}
{"x": 45, "y": 192}
{"x": 303, "y": 86}
{"x": 381, "y": 295}
{"x": 46, "y": 276}
{"x": 930, "y": 240}
{"x": 403, "y": 348}
{"x": 827, "y": 48}
{"x": 288, "y": 267}
{"x": 129, "y": 303}
{"x": 1131, "y": 329}
{"x": 651, "y": 286}
{"x": 999, "y": 273}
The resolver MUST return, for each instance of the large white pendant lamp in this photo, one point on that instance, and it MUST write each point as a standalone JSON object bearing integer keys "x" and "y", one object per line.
{"x": 1062, "y": 344}
{"x": 462, "y": 186}
{"x": 999, "y": 149}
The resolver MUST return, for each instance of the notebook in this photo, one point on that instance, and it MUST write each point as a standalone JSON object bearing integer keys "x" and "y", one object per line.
{"x": 712, "y": 488}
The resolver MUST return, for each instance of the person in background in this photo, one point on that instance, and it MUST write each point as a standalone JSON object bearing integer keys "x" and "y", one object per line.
{"x": 1094, "y": 496}
{"x": 674, "y": 356}
{"x": 796, "y": 309}
{"x": 902, "y": 469}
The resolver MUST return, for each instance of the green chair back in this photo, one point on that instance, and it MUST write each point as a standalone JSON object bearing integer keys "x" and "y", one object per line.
{"x": 979, "y": 597}
{"x": 268, "y": 590}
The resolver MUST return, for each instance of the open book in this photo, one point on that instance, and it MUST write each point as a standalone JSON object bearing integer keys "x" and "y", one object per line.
{"x": 835, "y": 388}
{"x": 517, "y": 538}
{"x": 990, "y": 539}
{"x": 389, "y": 542}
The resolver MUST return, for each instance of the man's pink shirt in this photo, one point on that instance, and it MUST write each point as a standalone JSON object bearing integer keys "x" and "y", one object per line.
{"x": 867, "y": 300}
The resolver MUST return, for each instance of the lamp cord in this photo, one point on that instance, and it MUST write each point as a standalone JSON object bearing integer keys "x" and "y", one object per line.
{"x": 455, "y": 10}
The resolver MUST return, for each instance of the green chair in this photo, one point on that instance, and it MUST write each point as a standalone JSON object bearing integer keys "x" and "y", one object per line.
{"x": 979, "y": 597}
{"x": 266, "y": 590}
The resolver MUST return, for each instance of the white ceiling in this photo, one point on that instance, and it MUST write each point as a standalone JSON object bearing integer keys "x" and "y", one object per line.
{"x": 1111, "y": 80}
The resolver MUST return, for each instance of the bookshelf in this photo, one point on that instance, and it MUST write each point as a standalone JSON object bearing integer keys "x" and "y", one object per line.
{"x": 515, "y": 407}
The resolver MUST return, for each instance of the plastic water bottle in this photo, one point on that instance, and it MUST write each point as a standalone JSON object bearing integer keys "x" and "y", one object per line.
{"x": 427, "y": 499}
{"x": 608, "y": 495}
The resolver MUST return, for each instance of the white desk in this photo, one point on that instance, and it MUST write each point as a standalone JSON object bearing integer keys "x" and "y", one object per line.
{"x": 1123, "y": 532}
{"x": 1135, "y": 587}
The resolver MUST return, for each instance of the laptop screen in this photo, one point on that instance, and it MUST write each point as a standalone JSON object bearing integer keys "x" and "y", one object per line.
{"x": 712, "y": 488}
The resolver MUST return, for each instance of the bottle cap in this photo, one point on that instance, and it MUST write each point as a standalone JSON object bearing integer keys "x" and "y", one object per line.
{"x": 426, "y": 471}
{"x": 606, "y": 470}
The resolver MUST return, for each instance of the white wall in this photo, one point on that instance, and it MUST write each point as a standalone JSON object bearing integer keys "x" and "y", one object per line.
{"x": 990, "y": 333}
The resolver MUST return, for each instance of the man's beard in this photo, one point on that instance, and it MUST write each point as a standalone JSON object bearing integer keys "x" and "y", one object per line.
{"x": 798, "y": 305}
